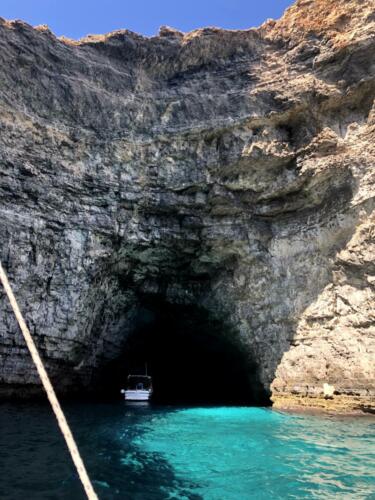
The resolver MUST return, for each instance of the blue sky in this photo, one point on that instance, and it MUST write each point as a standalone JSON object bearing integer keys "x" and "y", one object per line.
{"x": 76, "y": 18}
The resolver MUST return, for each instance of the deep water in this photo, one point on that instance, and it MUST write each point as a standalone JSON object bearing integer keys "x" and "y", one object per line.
{"x": 146, "y": 453}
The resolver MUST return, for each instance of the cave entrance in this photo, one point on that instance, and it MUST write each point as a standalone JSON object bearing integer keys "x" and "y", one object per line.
{"x": 191, "y": 357}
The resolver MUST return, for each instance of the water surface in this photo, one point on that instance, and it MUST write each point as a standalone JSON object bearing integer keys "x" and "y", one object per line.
{"x": 146, "y": 453}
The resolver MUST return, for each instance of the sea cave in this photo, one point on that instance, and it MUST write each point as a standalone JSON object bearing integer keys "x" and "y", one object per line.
{"x": 190, "y": 355}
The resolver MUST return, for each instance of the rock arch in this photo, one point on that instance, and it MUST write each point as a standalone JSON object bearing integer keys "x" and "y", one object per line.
{"x": 231, "y": 172}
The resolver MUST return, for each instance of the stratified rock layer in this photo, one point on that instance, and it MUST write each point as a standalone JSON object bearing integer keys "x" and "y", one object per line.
{"x": 232, "y": 170}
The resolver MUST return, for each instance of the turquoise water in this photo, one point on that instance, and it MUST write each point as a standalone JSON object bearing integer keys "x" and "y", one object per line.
{"x": 146, "y": 453}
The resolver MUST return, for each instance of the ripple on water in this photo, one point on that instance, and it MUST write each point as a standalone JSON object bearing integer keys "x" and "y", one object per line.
{"x": 193, "y": 453}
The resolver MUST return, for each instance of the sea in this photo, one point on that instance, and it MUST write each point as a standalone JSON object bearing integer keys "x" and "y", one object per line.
{"x": 158, "y": 452}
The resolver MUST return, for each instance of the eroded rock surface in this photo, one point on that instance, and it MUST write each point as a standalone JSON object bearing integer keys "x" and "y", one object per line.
{"x": 233, "y": 170}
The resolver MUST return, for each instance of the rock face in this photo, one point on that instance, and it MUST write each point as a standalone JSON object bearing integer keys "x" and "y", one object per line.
{"x": 232, "y": 171}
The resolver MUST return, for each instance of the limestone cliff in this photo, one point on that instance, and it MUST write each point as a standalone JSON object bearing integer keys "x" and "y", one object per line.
{"x": 232, "y": 170}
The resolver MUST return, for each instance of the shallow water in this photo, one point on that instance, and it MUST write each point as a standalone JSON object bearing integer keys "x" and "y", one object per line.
{"x": 146, "y": 453}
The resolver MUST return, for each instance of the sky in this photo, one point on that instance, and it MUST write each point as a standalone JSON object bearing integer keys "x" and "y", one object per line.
{"x": 77, "y": 18}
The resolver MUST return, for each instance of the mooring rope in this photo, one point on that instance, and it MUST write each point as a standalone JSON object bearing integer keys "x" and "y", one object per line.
{"x": 63, "y": 424}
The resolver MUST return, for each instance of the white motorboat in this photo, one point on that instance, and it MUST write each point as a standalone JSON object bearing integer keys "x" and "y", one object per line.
{"x": 139, "y": 388}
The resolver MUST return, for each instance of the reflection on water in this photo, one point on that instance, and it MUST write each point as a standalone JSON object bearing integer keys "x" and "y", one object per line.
{"x": 145, "y": 452}
{"x": 136, "y": 404}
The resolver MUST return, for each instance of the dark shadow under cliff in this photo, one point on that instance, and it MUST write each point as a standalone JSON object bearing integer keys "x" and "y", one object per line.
{"x": 190, "y": 356}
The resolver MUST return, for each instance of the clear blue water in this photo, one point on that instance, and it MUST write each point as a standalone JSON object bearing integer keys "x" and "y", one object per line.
{"x": 146, "y": 453}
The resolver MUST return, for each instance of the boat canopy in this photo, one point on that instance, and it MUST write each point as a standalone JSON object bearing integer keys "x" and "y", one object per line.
{"x": 139, "y": 382}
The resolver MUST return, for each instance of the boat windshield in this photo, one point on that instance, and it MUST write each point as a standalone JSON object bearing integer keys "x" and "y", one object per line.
{"x": 139, "y": 382}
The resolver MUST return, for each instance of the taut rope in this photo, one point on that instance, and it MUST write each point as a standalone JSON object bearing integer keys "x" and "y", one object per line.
{"x": 63, "y": 424}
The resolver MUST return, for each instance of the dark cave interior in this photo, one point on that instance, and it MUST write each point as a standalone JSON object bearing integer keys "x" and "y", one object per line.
{"x": 190, "y": 357}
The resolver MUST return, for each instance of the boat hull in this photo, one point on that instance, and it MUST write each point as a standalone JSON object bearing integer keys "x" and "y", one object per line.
{"x": 134, "y": 395}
